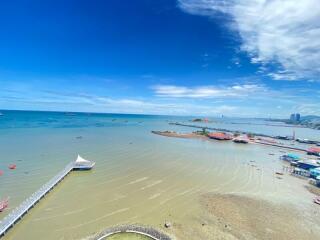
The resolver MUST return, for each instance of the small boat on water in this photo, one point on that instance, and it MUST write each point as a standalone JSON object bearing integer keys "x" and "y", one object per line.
{"x": 241, "y": 139}
{"x": 4, "y": 204}
{"x": 12, "y": 166}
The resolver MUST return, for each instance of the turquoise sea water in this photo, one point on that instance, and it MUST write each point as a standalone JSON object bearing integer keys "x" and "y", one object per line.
{"x": 58, "y": 120}
{"x": 139, "y": 177}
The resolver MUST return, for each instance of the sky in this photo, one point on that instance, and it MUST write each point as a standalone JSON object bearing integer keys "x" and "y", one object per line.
{"x": 248, "y": 58}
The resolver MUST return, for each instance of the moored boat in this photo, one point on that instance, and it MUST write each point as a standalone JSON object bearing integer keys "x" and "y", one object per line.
{"x": 308, "y": 164}
{"x": 317, "y": 200}
{"x": 4, "y": 204}
{"x": 315, "y": 172}
{"x": 12, "y": 166}
{"x": 290, "y": 157}
{"x": 313, "y": 151}
{"x": 241, "y": 139}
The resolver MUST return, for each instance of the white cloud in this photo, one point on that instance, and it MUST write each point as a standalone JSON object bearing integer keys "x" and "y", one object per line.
{"x": 207, "y": 91}
{"x": 307, "y": 108}
{"x": 237, "y": 100}
{"x": 285, "y": 32}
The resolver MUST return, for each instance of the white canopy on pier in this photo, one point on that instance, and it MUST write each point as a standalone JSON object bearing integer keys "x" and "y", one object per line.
{"x": 80, "y": 160}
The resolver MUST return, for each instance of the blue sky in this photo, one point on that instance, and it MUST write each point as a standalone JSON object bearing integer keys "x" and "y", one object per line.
{"x": 188, "y": 57}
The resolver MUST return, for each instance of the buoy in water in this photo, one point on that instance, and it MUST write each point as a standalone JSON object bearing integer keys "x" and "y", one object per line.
{"x": 12, "y": 166}
{"x": 1, "y": 172}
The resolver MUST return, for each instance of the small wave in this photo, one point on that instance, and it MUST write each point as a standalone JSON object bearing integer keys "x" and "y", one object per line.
{"x": 154, "y": 196}
{"x": 151, "y": 185}
{"x": 138, "y": 180}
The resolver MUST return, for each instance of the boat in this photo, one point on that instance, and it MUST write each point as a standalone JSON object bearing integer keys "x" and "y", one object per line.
{"x": 12, "y": 166}
{"x": 307, "y": 164}
{"x": 315, "y": 172}
{"x": 317, "y": 200}
{"x": 283, "y": 137}
{"x": 290, "y": 157}
{"x": 83, "y": 164}
{"x": 313, "y": 151}
{"x": 241, "y": 139}
{"x": 4, "y": 204}
{"x": 302, "y": 140}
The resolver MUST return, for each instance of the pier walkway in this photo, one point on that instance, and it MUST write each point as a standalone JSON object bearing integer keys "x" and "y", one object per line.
{"x": 30, "y": 202}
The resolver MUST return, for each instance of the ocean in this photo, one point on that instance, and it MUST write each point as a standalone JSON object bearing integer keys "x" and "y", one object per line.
{"x": 138, "y": 178}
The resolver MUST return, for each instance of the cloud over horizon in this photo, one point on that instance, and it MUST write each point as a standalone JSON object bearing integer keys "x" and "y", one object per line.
{"x": 241, "y": 100}
{"x": 280, "y": 35}
{"x": 207, "y": 91}
{"x": 85, "y": 102}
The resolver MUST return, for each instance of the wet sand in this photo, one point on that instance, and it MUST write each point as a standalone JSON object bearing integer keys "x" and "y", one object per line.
{"x": 250, "y": 218}
{"x": 313, "y": 189}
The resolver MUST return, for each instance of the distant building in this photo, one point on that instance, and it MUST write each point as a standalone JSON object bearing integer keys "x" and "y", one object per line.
{"x": 295, "y": 117}
{"x": 292, "y": 117}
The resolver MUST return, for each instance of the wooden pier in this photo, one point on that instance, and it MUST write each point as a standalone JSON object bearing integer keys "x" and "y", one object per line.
{"x": 10, "y": 220}
{"x": 282, "y": 146}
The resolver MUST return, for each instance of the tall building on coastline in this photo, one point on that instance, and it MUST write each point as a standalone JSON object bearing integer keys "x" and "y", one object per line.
{"x": 292, "y": 117}
{"x": 295, "y": 117}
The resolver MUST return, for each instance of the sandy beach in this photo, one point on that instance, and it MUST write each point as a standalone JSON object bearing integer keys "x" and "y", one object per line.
{"x": 248, "y": 218}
